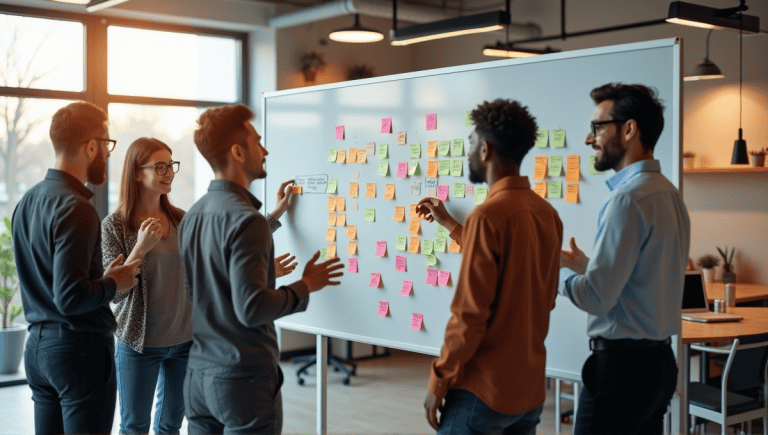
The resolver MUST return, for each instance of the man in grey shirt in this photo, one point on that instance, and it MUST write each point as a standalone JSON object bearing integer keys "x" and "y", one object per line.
{"x": 233, "y": 378}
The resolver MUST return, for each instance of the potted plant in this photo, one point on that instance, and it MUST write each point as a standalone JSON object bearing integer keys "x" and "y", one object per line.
{"x": 708, "y": 262}
{"x": 757, "y": 158}
{"x": 11, "y": 336}
{"x": 689, "y": 159}
{"x": 728, "y": 275}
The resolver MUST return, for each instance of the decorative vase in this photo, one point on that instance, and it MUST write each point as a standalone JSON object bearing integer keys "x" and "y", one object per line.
{"x": 757, "y": 160}
{"x": 707, "y": 273}
{"x": 689, "y": 162}
{"x": 11, "y": 348}
{"x": 728, "y": 275}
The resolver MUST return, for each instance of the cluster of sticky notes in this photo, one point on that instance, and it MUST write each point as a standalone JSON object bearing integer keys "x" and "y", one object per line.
{"x": 552, "y": 166}
{"x": 351, "y": 155}
{"x": 438, "y": 277}
{"x": 558, "y": 138}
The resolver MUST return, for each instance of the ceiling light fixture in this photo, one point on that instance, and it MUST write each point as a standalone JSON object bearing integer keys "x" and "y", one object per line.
{"x": 97, "y": 5}
{"x": 356, "y": 34}
{"x": 689, "y": 14}
{"x": 510, "y": 51}
{"x": 739, "y": 156}
{"x": 707, "y": 69}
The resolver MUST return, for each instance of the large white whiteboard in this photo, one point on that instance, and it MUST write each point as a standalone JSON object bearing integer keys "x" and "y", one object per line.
{"x": 299, "y": 125}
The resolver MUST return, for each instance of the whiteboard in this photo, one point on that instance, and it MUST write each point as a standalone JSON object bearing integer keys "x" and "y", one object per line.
{"x": 299, "y": 132}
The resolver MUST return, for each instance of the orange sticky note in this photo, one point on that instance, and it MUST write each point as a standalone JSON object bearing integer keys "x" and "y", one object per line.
{"x": 412, "y": 214}
{"x": 540, "y": 188}
{"x": 413, "y": 247}
{"x": 361, "y": 155}
{"x": 572, "y": 192}
{"x": 572, "y": 170}
{"x": 331, "y": 203}
{"x": 330, "y": 235}
{"x": 352, "y": 231}
{"x": 432, "y": 148}
{"x": 399, "y": 213}
{"x": 454, "y": 247}
{"x": 370, "y": 190}
{"x": 354, "y": 188}
{"x": 432, "y": 169}
{"x": 389, "y": 193}
{"x": 331, "y": 250}
{"x": 540, "y": 170}
{"x": 415, "y": 226}
{"x": 416, "y": 321}
{"x": 342, "y": 156}
{"x": 340, "y": 203}
{"x": 341, "y": 219}
{"x": 352, "y": 248}
{"x": 352, "y": 155}
{"x": 383, "y": 309}
{"x": 296, "y": 189}
{"x": 331, "y": 219}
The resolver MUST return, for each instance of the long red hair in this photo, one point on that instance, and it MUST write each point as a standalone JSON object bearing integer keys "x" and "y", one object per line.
{"x": 138, "y": 154}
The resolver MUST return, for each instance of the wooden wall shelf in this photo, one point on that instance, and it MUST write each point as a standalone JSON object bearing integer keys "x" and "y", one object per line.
{"x": 728, "y": 170}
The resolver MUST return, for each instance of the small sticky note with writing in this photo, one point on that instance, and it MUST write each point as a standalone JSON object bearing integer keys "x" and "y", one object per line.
{"x": 381, "y": 248}
{"x": 389, "y": 193}
{"x": 399, "y": 213}
{"x": 416, "y": 188}
{"x": 469, "y": 190}
{"x": 592, "y": 169}
{"x": 413, "y": 247}
{"x": 558, "y": 138}
{"x": 331, "y": 219}
{"x": 431, "y": 260}
{"x": 342, "y": 219}
{"x": 458, "y": 147}
{"x": 432, "y": 167}
{"x": 352, "y": 155}
{"x": 415, "y": 151}
{"x": 383, "y": 168}
{"x": 401, "y": 137}
{"x": 431, "y": 183}
{"x": 401, "y": 243}
{"x": 468, "y": 119}
{"x": 555, "y": 166}
{"x": 456, "y": 166}
{"x": 542, "y": 139}
{"x": 296, "y": 190}
{"x": 370, "y": 190}
{"x": 386, "y": 125}
{"x": 432, "y": 276}
{"x": 330, "y": 235}
{"x": 353, "y": 265}
{"x": 354, "y": 205}
{"x": 555, "y": 189}
{"x": 352, "y": 247}
{"x": 342, "y": 157}
{"x": 415, "y": 226}
{"x": 332, "y": 154}
{"x": 361, "y": 155}
{"x": 572, "y": 168}
{"x": 370, "y": 148}
{"x": 540, "y": 168}
{"x": 331, "y": 203}
{"x": 440, "y": 243}
{"x": 454, "y": 247}
{"x": 442, "y": 231}
{"x": 444, "y": 147}
{"x": 352, "y": 231}
{"x": 402, "y": 169}
{"x": 382, "y": 154}
{"x": 480, "y": 194}
{"x": 416, "y": 321}
{"x": 375, "y": 279}
{"x": 442, "y": 192}
{"x": 572, "y": 192}
{"x": 339, "y": 132}
{"x": 458, "y": 190}
{"x": 370, "y": 214}
{"x": 383, "y": 308}
{"x": 432, "y": 148}
{"x": 540, "y": 188}
{"x": 428, "y": 247}
{"x": 432, "y": 121}
{"x": 407, "y": 287}
{"x": 444, "y": 277}
{"x": 341, "y": 203}
{"x": 444, "y": 167}
{"x": 354, "y": 188}
{"x": 400, "y": 263}
{"x": 331, "y": 250}
{"x": 332, "y": 186}
{"x": 323, "y": 253}
{"x": 412, "y": 213}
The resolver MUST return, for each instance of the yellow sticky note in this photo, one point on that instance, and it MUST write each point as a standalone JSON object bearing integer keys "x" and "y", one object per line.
{"x": 432, "y": 148}
{"x": 340, "y": 203}
{"x": 572, "y": 192}
{"x": 352, "y": 155}
{"x": 352, "y": 231}
{"x": 330, "y": 235}
{"x": 399, "y": 213}
{"x": 412, "y": 214}
{"x": 361, "y": 155}
{"x": 401, "y": 138}
{"x": 454, "y": 247}
{"x": 432, "y": 166}
{"x": 296, "y": 189}
{"x": 370, "y": 190}
{"x": 415, "y": 226}
{"x": 413, "y": 247}
{"x": 540, "y": 170}
{"x": 353, "y": 189}
{"x": 341, "y": 219}
{"x": 572, "y": 169}
{"x": 541, "y": 188}
{"x": 352, "y": 247}
{"x": 389, "y": 193}
{"x": 331, "y": 203}
{"x": 331, "y": 219}
{"x": 342, "y": 156}
{"x": 331, "y": 250}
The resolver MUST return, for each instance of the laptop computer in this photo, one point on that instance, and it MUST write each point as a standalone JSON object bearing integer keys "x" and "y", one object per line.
{"x": 695, "y": 304}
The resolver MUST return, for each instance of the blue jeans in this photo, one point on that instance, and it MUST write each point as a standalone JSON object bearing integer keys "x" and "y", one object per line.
{"x": 137, "y": 376}
{"x": 465, "y": 413}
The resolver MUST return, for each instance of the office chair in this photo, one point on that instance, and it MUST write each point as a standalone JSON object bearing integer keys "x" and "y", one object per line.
{"x": 339, "y": 364}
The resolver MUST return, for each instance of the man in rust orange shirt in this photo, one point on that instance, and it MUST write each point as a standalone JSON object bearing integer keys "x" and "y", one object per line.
{"x": 491, "y": 367}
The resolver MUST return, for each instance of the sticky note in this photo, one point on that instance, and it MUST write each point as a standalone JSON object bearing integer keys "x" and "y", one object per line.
{"x": 540, "y": 188}
{"x": 432, "y": 276}
{"x": 352, "y": 155}
{"x": 542, "y": 139}
{"x": 555, "y": 166}
{"x": 413, "y": 168}
{"x": 332, "y": 186}
{"x": 401, "y": 137}
{"x": 354, "y": 205}
{"x": 382, "y": 154}
{"x": 440, "y": 243}
{"x": 468, "y": 119}
{"x": 342, "y": 157}
{"x": 432, "y": 148}
{"x": 469, "y": 190}
{"x": 332, "y": 250}
{"x": 402, "y": 169}
{"x": 442, "y": 192}
{"x": 592, "y": 169}
{"x": 444, "y": 167}
{"x": 355, "y": 174}
{"x": 399, "y": 213}
{"x": 383, "y": 308}
{"x": 330, "y": 235}
{"x": 428, "y": 247}
{"x": 354, "y": 189}
{"x": 431, "y": 260}
{"x": 386, "y": 125}
{"x": 400, "y": 263}
{"x": 331, "y": 203}
{"x": 296, "y": 190}
{"x": 456, "y": 166}
{"x": 415, "y": 151}
{"x": 413, "y": 247}
{"x": 458, "y": 190}
{"x": 341, "y": 203}
{"x": 412, "y": 214}
{"x": 540, "y": 168}
{"x": 353, "y": 265}
{"x": 370, "y": 190}
{"x": 457, "y": 149}
{"x": 442, "y": 231}
{"x": 415, "y": 226}
{"x": 352, "y": 247}
{"x": 361, "y": 155}
{"x": 339, "y": 132}
{"x": 430, "y": 183}
{"x": 405, "y": 290}
{"x": 375, "y": 279}
{"x": 370, "y": 148}
{"x": 432, "y": 121}
{"x": 389, "y": 193}
{"x": 443, "y": 277}
{"x": 383, "y": 168}
{"x": 454, "y": 247}
{"x": 555, "y": 189}
{"x": 558, "y": 138}
{"x": 402, "y": 241}
{"x": 352, "y": 231}
{"x": 416, "y": 188}
{"x": 444, "y": 147}
{"x": 572, "y": 193}
{"x": 381, "y": 248}
{"x": 370, "y": 214}
{"x": 331, "y": 219}
{"x": 480, "y": 193}
{"x": 432, "y": 167}
{"x": 323, "y": 253}
{"x": 572, "y": 168}
{"x": 416, "y": 321}
{"x": 341, "y": 220}
{"x": 332, "y": 154}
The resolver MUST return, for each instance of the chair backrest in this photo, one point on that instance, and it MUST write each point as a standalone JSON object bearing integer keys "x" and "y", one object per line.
{"x": 748, "y": 367}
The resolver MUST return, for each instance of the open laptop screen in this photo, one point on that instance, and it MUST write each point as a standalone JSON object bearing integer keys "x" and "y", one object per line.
{"x": 694, "y": 297}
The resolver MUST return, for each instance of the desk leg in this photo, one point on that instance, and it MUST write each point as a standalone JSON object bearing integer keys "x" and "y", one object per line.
{"x": 558, "y": 418}
{"x": 685, "y": 379}
{"x": 576, "y": 386}
{"x": 322, "y": 384}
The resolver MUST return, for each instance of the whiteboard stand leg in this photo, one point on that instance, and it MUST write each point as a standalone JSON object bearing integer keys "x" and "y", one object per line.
{"x": 558, "y": 418}
{"x": 576, "y": 385}
{"x": 322, "y": 384}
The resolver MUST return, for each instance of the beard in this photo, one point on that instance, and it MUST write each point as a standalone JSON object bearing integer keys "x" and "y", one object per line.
{"x": 613, "y": 152}
{"x": 476, "y": 173}
{"x": 97, "y": 169}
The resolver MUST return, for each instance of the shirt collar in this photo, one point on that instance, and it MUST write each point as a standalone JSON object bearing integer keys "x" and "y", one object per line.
{"x": 511, "y": 182}
{"x": 235, "y": 188}
{"x": 69, "y": 180}
{"x": 628, "y": 174}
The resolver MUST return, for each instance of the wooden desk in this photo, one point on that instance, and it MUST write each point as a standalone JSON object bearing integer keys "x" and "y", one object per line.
{"x": 744, "y": 292}
{"x": 755, "y": 322}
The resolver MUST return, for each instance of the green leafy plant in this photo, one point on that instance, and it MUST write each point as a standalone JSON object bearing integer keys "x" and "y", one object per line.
{"x": 8, "y": 282}
{"x": 727, "y": 258}
{"x": 708, "y": 261}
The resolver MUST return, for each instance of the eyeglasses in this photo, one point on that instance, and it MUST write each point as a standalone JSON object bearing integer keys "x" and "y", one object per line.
{"x": 111, "y": 143}
{"x": 162, "y": 168}
{"x": 593, "y": 124}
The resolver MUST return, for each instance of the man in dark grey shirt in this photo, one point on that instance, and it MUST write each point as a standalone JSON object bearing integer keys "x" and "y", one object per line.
{"x": 233, "y": 378}
{"x": 64, "y": 288}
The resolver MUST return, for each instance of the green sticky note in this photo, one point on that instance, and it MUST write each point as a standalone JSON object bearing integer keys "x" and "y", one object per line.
{"x": 440, "y": 243}
{"x": 480, "y": 193}
{"x": 383, "y": 168}
{"x": 413, "y": 168}
{"x": 324, "y": 253}
{"x": 443, "y": 147}
{"x": 458, "y": 147}
{"x": 370, "y": 214}
{"x": 402, "y": 242}
{"x": 468, "y": 119}
{"x": 444, "y": 167}
{"x": 332, "y": 154}
{"x": 558, "y": 138}
{"x": 431, "y": 260}
{"x": 554, "y": 189}
{"x": 442, "y": 231}
{"x": 456, "y": 166}
{"x": 458, "y": 190}
{"x": 542, "y": 138}
{"x": 592, "y": 169}
{"x": 332, "y": 186}
{"x": 428, "y": 247}
{"x": 415, "y": 150}
{"x": 555, "y": 166}
{"x": 382, "y": 151}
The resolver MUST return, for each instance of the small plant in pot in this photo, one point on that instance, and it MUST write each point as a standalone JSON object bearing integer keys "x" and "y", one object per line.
{"x": 708, "y": 263}
{"x": 11, "y": 336}
{"x": 757, "y": 158}
{"x": 728, "y": 275}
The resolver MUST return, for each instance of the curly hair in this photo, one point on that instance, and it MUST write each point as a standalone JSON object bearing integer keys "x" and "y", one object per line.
{"x": 75, "y": 124}
{"x": 637, "y": 102}
{"x": 219, "y": 129}
{"x": 507, "y": 126}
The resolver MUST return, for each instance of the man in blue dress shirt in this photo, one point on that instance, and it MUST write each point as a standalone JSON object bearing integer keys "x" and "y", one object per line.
{"x": 632, "y": 286}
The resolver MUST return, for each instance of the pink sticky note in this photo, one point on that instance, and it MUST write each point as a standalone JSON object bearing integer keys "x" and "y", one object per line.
{"x": 375, "y": 279}
{"x": 383, "y": 308}
{"x": 353, "y": 265}
{"x": 469, "y": 190}
{"x": 442, "y": 192}
{"x": 381, "y": 248}
{"x": 339, "y": 132}
{"x": 399, "y": 263}
{"x": 407, "y": 287}
{"x": 444, "y": 276}
{"x": 402, "y": 169}
{"x": 432, "y": 121}
{"x": 386, "y": 125}
{"x": 432, "y": 276}
{"x": 416, "y": 321}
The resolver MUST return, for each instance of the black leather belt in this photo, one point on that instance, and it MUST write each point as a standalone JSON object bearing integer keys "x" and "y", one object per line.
{"x": 59, "y": 331}
{"x": 625, "y": 343}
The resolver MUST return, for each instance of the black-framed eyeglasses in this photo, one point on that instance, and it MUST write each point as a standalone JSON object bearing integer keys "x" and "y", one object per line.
{"x": 111, "y": 143}
{"x": 162, "y": 168}
{"x": 593, "y": 124}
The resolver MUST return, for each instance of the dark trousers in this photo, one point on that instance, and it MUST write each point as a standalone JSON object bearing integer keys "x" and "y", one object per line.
{"x": 72, "y": 377}
{"x": 233, "y": 401}
{"x": 626, "y": 391}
